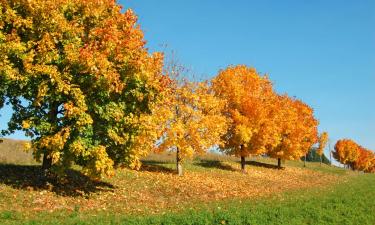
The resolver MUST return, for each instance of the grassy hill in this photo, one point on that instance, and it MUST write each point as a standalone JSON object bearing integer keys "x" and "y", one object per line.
{"x": 212, "y": 191}
{"x": 12, "y": 151}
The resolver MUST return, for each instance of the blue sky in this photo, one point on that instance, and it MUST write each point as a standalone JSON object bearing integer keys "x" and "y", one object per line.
{"x": 321, "y": 51}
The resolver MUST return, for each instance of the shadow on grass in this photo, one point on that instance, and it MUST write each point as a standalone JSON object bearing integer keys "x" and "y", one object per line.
{"x": 264, "y": 165}
{"x": 29, "y": 178}
{"x": 153, "y": 166}
{"x": 214, "y": 164}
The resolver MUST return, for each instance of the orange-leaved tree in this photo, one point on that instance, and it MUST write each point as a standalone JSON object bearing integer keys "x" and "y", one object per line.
{"x": 323, "y": 140}
{"x": 296, "y": 128}
{"x": 364, "y": 160}
{"x": 346, "y": 152}
{"x": 78, "y": 77}
{"x": 249, "y": 107}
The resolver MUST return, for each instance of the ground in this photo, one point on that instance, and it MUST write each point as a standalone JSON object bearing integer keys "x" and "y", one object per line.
{"x": 212, "y": 191}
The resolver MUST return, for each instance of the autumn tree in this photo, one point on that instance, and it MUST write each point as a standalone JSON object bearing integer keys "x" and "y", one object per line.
{"x": 346, "y": 152}
{"x": 79, "y": 80}
{"x": 249, "y": 99}
{"x": 364, "y": 160}
{"x": 296, "y": 127}
{"x": 371, "y": 168}
{"x": 322, "y": 141}
{"x": 194, "y": 123}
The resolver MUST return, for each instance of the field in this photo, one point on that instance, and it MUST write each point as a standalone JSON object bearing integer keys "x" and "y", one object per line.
{"x": 212, "y": 191}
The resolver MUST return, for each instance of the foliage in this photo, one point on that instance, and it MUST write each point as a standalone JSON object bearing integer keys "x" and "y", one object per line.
{"x": 249, "y": 99}
{"x": 313, "y": 156}
{"x": 297, "y": 129}
{"x": 194, "y": 122}
{"x": 346, "y": 151}
{"x": 323, "y": 140}
{"x": 365, "y": 160}
{"x": 79, "y": 80}
{"x": 355, "y": 156}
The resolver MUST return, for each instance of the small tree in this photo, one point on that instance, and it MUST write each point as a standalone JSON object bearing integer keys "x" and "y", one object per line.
{"x": 194, "y": 123}
{"x": 323, "y": 140}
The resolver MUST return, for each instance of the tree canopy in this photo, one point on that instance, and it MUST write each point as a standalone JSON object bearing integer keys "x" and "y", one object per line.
{"x": 78, "y": 77}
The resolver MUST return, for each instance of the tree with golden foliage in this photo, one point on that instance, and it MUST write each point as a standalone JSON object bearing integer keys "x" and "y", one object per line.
{"x": 346, "y": 152}
{"x": 296, "y": 129}
{"x": 79, "y": 79}
{"x": 194, "y": 122}
{"x": 249, "y": 99}
{"x": 323, "y": 140}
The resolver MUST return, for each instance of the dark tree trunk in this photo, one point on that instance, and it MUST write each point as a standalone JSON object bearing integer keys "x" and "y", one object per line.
{"x": 179, "y": 163}
{"x": 243, "y": 164}
{"x": 46, "y": 165}
{"x": 278, "y": 163}
{"x": 304, "y": 162}
{"x": 320, "y": 160}
{"x": 47, "y": 159}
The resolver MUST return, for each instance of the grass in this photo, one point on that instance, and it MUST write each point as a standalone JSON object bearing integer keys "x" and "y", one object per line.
{"x": 212, "y": 191}
{"x": 11, "y": 151}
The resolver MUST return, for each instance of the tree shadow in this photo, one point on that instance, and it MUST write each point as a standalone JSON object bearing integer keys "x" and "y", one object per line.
{"x": 215, "y": 164}
{"x": 155, "y": 167}
{"x": 29, "y": 177}
{"x": 156, "y": 162}
{"x": 264, "y": 165}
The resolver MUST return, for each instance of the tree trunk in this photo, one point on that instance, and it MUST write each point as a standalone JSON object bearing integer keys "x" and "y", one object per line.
{"x": 243, "y": 163}
{"x": 278, "y": 163}
{"x": 179, "y": 163}
{"x": 320, "y": 160}
{"x": 47, "y": 159}
{"x": 304, "y": 162}
{"x": 46, "y": 165}
{"x": 330, "y": 156}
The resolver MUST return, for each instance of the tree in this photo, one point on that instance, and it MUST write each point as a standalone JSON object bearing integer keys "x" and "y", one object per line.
{"x": 323, "y": 140}
{"x": 194, "y": 123}
{"x": 78, "y": 78}
{"x": 371, "y": 168}
{"x": 296, "y": 127}
{"x": 249, "y": 99}
{"x": 313, "y": 156}
{"x": 346, "y": 152}
{"x": 364, "y": 160}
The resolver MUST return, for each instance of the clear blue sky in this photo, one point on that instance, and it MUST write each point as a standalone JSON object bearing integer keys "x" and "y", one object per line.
{"x": 321, "y": 51}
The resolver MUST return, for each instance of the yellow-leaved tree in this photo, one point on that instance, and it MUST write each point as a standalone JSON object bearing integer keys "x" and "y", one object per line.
{"x": 249, "y": 107}
{"x": 323, "y": 140}
{"x": 194, "y": 122}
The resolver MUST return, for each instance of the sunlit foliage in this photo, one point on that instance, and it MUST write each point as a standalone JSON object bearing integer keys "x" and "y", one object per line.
{"x": 346, "y": 152}
{"x": 296, "y": 129}
{"x": 194, "y": 122}
{"x": 79, "y": 79}
{"x": 249, "y": 99}
{"x": 323, "y": 140}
